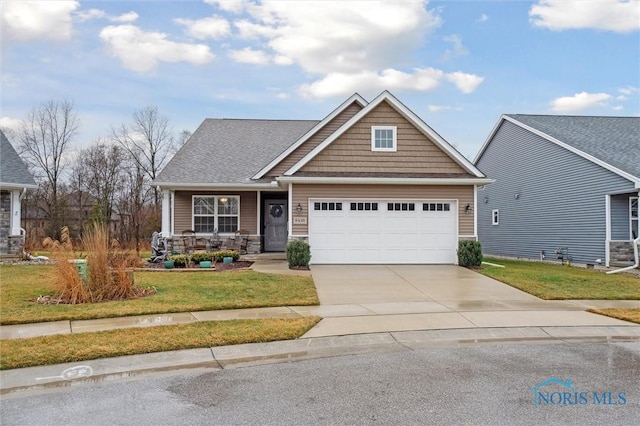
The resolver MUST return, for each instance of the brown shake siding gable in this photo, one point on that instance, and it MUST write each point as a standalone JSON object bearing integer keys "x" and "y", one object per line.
{"x": 351, "y": 152}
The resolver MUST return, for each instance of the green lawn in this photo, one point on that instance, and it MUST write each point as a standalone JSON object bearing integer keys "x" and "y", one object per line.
{"x": 176, "y": 292}
{"x": 48, "y": 350}
{"x": 549, "y": 281}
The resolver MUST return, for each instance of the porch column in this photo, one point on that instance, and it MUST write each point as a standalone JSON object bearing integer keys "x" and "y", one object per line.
{"x": 15, "y": 212}
{"x": 166, "y": 213}
{"x": 607, "y": 227}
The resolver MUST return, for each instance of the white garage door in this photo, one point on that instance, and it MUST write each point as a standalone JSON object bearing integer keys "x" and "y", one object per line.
{"x": 383, "y": 231}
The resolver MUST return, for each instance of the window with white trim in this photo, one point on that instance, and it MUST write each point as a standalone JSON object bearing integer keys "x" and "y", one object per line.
{"x": 216, "y": 213}
{"x": 633, "y": 216}
{"x": 384, "y": 138}
{"x": 495, "y": 217}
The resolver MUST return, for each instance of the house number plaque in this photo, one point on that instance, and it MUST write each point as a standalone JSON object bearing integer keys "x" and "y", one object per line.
{"x": 299, "y": 220}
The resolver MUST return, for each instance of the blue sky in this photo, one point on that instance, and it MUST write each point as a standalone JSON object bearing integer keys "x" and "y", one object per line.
{"x": 458, "y": 64}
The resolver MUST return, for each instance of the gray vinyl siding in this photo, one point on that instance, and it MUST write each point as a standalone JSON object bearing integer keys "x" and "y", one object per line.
{"x": 561, "y": 198}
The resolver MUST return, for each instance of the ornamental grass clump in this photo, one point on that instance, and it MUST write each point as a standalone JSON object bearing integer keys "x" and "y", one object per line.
{"x": 110, "y": 270}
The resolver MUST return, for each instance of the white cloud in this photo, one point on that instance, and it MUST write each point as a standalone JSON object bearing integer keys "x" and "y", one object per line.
{"x": 235, "y": 6}
{"x": 212, "y": 27}
{"x": 90, "y": 14}
{"x": 25, "y": 21}
{"x": 141, "y": 51}
{"x": 483, "y": 18}
{"x": 628, "y": 90}
{"x": 579, "y": 102}
{"x": 340, "y": 84}
{"x": 466, "y": 83}
{"x": 249, "y": 56}
{"x": 457, "y": 49}
{"x": 617, "y": 108}
{"x": 438, "y": 108}
{"x": 609, "y": 15}
{"x": 10, "y": 123}
{"x": 125, "y": 17}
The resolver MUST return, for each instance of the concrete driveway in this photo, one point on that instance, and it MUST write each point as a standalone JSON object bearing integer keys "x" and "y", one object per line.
{"x": 381, "y": 298}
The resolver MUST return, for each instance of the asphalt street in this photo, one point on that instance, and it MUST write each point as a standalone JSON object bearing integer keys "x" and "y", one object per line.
{"x": 481, "y": 384}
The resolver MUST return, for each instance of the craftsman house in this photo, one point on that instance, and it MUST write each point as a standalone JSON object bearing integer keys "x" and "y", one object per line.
{"x": 15, "y": 179}
{"x": 369, "y": 183}
{"x": 566, "y": 184}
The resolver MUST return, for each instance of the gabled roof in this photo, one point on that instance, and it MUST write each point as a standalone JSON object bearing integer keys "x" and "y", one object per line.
{"x": 13, "y": 171}
{"x": 354, "y": 98}
{"x": 243, "y": 146}
{"x": 611, "y": 142}
{"x": 406, "y": 113}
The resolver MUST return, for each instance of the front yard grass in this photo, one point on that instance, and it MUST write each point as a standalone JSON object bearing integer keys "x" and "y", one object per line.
{"x": 627, "y": 314}
{"x": 548, "y": 281}
{"x": 176, "y": 292}
{"x": 46, "y": 350}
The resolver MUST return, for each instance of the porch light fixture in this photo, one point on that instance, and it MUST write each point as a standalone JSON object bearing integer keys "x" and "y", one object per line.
{"x": 468, "y": 209}
{"x": 224, "y": 199}
{"x": 298, "y": 208}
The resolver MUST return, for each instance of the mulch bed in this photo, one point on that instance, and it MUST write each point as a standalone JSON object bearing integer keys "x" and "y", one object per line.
{"x": 217, "y": 266}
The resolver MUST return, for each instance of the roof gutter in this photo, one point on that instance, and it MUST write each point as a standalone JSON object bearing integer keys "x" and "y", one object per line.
{"x": 10, "y": 185}
{"x": 236, "y": 186}
{"x": 385, "y": 181}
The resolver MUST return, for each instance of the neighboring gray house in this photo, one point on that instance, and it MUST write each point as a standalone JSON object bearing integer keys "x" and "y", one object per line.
{"x": 561, "y": 181}
{"x": 15, "y": 179}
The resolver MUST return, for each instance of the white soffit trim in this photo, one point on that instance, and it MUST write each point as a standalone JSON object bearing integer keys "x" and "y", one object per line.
{"x": 404, "y": 111}
{"x": 385, "y": 181}
{"x": 10, "y": 185}
{"x": 564, "y": 145}
{"x": 354, "y": 98}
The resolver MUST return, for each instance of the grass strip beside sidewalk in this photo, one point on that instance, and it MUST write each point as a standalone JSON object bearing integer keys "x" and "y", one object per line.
{"x": 626, "y": 314}
{"x": 557, "y": 282}
{"x": 47, "y": 350}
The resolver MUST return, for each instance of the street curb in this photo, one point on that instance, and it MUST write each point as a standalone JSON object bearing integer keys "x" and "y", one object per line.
{"x": 225, "y": 357}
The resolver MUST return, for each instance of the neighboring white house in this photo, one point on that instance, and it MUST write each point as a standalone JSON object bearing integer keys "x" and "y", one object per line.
{"x": 15, "y": 179}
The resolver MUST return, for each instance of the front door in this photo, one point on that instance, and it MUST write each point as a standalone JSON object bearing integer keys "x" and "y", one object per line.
{"x": 275, "y": 225}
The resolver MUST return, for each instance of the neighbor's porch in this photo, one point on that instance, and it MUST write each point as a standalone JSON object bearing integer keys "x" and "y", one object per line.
{"x": 622, "y": 228}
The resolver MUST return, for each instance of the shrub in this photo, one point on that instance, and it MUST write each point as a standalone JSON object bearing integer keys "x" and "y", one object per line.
{"x": 298, "y": 253}
{"x": 220, "y": 254}
{"x": 180, "y": 260}
{"x": 469, "y": 253}
{"x": 201, "y": 256}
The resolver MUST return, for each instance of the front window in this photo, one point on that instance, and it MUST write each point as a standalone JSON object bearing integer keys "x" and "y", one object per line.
{"x": 633, "y": 216}
{"x": 383, "y": 138}
{"x": 213, "y": 213}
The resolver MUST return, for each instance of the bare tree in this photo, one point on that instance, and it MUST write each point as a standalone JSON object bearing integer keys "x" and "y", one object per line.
{"x": 98, "y": 172}
{"x": 44, "y": 140}
{"x": 133, "y": 203}
{"x": 148, "y": 140}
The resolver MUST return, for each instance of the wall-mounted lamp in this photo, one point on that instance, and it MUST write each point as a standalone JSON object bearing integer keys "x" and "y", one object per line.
{"x": 486, "y": 200}
{"x": 516, "y": 195}
{"x": 223, "y": 200}
{"x": 298, "y": 208}
{"x": 468, "y": 209}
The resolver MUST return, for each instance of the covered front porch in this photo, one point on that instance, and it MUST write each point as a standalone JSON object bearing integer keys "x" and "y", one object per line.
{"x": 213, "y": 215}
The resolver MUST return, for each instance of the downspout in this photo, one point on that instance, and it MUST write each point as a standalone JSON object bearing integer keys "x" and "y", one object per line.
{"x": 635, "y": 256}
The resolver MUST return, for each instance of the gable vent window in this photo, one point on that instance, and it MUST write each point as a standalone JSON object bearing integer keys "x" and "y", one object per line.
{"x": 436, "y": 207}
{"x": 327, "y": 206}
{"x": 364, "y": 206}
{"x": 401, "y": 207}
{"x": 384, "y": 138}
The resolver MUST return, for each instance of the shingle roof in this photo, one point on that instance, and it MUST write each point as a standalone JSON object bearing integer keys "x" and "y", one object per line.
{"x": 614, "y": 140}
{"x": 231, "y": 150}
{"x": 13, "y": 171}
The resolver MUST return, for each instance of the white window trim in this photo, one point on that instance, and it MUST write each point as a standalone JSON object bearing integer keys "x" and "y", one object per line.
{"x": 215, "y": 214}
{"x": 633, "y": 219}
{"x": 394, "y": 129}
{"x": 495, "y": 217}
